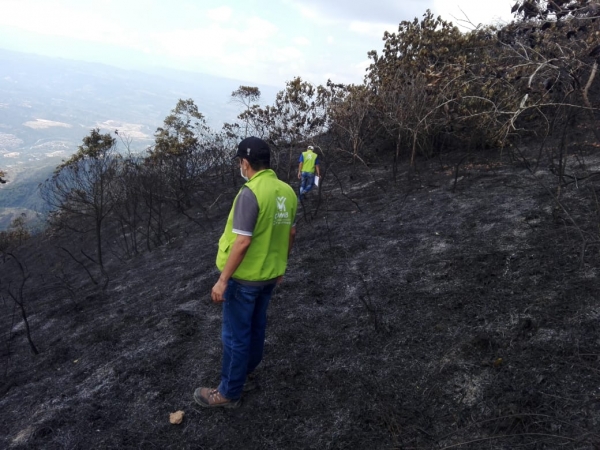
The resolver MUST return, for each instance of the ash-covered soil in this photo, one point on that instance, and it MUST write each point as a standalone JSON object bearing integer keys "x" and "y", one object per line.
{"x": 415, "y": 314}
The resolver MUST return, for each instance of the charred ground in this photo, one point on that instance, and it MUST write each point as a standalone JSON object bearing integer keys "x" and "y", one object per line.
{"x": 446, "y": 310}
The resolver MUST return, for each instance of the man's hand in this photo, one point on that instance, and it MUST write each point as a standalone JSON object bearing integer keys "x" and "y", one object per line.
{"x": 238, "y": 251}
{"x": 299, "y": 175}
{"x": 218, "y": 291}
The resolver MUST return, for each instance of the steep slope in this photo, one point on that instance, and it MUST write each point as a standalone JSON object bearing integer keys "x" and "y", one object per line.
{"x": 416, "y": 314}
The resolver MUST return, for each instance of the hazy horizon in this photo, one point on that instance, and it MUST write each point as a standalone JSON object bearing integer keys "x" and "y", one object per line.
{"x": 49, "y": 104}
{"x": 263, "y": 42}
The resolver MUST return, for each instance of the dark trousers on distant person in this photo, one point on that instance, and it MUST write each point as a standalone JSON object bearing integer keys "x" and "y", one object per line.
{"x": 306, "y": 183}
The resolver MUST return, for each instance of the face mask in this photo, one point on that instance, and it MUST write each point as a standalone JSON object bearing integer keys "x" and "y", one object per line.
{"x": 242, "y": 174}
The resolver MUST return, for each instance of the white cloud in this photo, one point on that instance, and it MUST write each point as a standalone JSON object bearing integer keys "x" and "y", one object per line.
{"x": 222, "y": 14}
{"x": 301, "y": 40}
{"x": 259, "y": 28}
{"x": 216, "y": 41}
{"x": 307, "y": 11}
{"x": 69, "y": 21}
{"x": 370, "y": 11}
{"x": 287, "y": 54}
{"x": 374, "y": 30}
{"x": 259, "y": 41}
{"x": 200, "y": 43}
{"x": 460, "y": 12}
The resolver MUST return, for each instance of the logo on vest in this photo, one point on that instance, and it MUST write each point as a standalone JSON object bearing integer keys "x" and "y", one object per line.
{"x": 309, "y": 157}
{"x": 281, "y": 215}
{"x": 281, "y": 203}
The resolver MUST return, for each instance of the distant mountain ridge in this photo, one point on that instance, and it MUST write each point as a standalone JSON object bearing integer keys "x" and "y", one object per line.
{"x": 47, "y": 106}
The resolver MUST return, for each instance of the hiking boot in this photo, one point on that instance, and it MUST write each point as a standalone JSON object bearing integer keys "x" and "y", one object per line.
{"x": 251, "y": 383}
{"x": 212, "y": 398}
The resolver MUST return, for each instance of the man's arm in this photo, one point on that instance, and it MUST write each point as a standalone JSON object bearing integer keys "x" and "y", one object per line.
{"x": 317, "y": 166}
{"x": 245, "y": 213}
{"x": 236, "y": 256}
{"x": 300, "y": 170}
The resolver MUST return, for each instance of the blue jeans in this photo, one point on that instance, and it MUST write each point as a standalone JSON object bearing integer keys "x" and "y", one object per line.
{"x": 306, "y": 184}
{"x": 243, "y": 334}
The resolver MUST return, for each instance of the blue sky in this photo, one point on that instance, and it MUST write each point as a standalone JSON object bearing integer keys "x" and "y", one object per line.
{"x": 258, "y": 41}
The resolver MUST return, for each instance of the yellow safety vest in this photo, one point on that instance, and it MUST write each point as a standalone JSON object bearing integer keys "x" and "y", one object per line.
{"x": 267, "y": 256}
{"x": 309, "y": 158}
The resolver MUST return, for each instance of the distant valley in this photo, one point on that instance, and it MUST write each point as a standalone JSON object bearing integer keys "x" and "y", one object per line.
{"x": 47, "y": 106}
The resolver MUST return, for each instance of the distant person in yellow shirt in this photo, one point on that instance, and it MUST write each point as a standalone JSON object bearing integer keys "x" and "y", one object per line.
{"x": 309, "y": 162}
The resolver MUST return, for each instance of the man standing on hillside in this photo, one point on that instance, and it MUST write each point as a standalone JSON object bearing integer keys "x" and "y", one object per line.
{"x": 252, "y": 257}
{"x": 309, "y": 161}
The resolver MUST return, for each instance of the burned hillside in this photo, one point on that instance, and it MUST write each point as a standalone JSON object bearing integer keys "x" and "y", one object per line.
{"x": 451, "y": 309}
{"x": 442, "y": 292}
